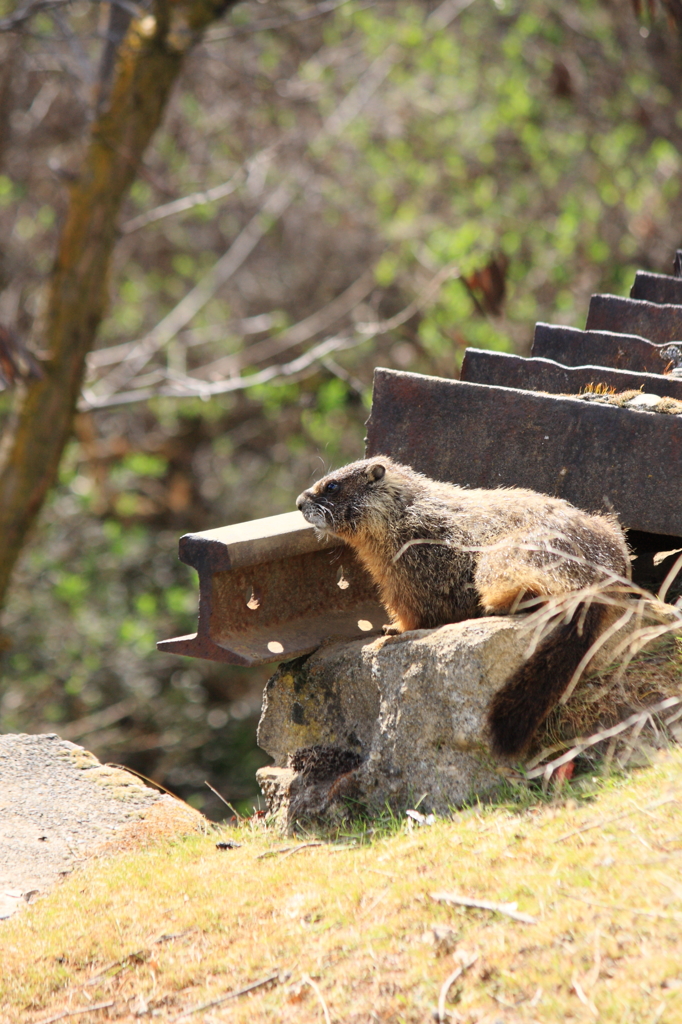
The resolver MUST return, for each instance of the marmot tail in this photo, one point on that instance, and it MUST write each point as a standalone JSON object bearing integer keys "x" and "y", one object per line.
{"x": 533, "y": 691}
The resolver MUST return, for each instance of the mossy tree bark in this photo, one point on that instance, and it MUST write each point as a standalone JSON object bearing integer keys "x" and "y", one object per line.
{"x": 148, "y": 63}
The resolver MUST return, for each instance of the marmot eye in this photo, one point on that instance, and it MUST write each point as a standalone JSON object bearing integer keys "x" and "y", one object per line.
{"x": 331, "y": 487}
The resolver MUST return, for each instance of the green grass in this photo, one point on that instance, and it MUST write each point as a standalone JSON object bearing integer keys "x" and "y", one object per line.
{"x": 351, "y": 922}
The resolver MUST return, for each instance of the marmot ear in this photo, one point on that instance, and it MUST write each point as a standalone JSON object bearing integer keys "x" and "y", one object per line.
{"x": 377, "y": 471}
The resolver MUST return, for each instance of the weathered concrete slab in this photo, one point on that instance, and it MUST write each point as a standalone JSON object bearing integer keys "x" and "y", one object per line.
{"x": 574, "y": 347}
{"x": 58, "y": 805}
{"x": 500, "y": 369}
{"x": 597, "y": 456}
{"x": 655, "y": 322}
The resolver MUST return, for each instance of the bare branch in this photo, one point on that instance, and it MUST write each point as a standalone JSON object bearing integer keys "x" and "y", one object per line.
{"x": 277, "y": 203}
{"x": 184, "y": 386}
{"x": 211, "y": 195}
{"x": 307, "y": 980}
{"x": 203, "y": 292}
{"x": 25, "y": 13}
{"x": 303, "y": 331}
{"x": 498, "y": 908}
{"x": 327, "y": 7}
{"x": 248, "y": 238}
{"x": 115, "y": 354}
{"x": 190, "y": 387}
{"x": 447, "y": 273}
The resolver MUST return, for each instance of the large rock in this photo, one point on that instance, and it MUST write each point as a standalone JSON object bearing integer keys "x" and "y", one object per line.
{"x": 392, "y": 720}
{"x": 412, "y": 707}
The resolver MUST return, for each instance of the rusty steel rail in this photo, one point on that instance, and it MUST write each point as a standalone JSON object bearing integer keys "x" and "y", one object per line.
{"x": 658, "y": 322}
{"x": 499, "y": 369}
{"x": 660, "y": 288}
{"x": 573, "y": 347}
{"x": 598, "y": 457}
{"x": 269, "y": 590}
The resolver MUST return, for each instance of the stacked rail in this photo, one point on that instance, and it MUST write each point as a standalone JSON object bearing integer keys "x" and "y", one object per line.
{"x": 269, "y": 591}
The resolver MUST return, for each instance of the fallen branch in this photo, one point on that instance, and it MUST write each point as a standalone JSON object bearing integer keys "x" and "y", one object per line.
{"x": 307, "y": 980}
{"x": 287, "y": 850}
{"x": 119, "y": 965}
{"x": 223, "y": 999}
{"x": 499, "y": 908}
{"x": 578, "y": 989}
{"x": 75, "y": 1013}
{"x": 447, "y": 984}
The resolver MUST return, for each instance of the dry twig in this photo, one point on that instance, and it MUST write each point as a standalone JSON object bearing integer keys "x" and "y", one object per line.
{"x": 230, "y": 995}
{"x": 226, "y": 802}
{"x": 499, "y": 908}
{"x": 76, "y": 1013}
{"x": 307, "y": 980}
{"x": 287, "y": 850}
{"x": 546, "y": 770}
{"x": 210, "y": 195}
{"x": 447, "y": 984}
{"x": 628, "y": 910}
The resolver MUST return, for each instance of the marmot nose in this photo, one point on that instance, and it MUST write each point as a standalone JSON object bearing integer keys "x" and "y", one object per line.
{"x": 300, "y": 500}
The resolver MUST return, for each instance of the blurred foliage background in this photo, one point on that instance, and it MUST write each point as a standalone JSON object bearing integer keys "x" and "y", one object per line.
{"x": 420, "y": 150}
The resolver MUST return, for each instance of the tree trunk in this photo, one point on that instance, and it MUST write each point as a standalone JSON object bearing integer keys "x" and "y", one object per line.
{"x": 148, "y": 63}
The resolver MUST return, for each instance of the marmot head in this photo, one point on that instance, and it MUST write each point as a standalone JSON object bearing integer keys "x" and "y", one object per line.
{"x": 357, "y": 496}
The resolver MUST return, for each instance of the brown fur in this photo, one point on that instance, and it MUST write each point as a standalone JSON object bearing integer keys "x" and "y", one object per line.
{"x": 441, "y": 553}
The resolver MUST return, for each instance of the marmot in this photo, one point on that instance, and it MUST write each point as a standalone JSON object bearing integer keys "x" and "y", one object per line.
{"x": 441, "y": 553}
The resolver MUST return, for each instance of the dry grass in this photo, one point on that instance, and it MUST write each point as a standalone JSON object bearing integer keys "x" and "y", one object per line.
{"x": 159, "y": 931}
{"x": 610, "y": 696}
{"x": 608, "y": 395}
{"x": 166, "y": 819}
{"x": 345, "y": 927}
